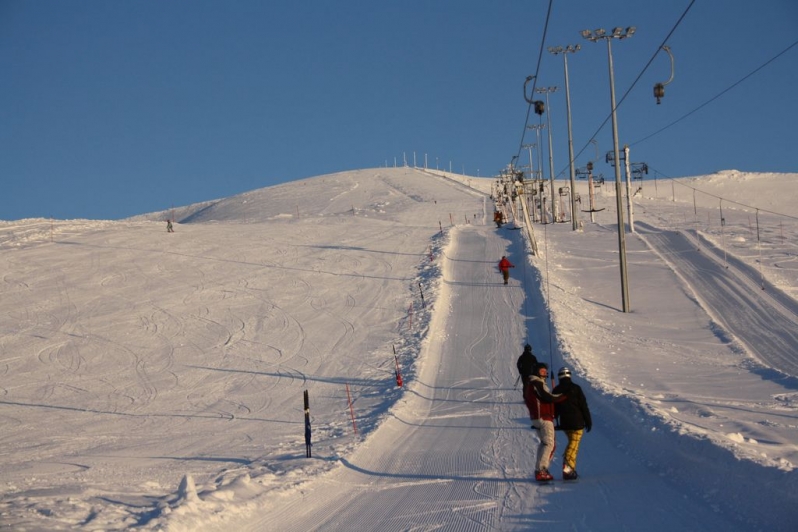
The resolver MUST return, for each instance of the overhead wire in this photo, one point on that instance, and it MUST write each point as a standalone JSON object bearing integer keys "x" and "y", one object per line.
{"x": 534, "y": 85}
{"x": 721, "y": 93}
{"x": 535, "y": 77}
{"x": 717, "y": 96}
{"x": 621, "y": 101}
{"x": 530, "y": 105}
{"x": 686, "y": 115}
{"x": 634, "y": 83}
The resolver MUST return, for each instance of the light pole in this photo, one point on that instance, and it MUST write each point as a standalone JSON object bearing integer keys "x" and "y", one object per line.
{"x": 531, "y": 179}
{"x": 537, "y": 129}
{"x": 570, "y": 49}
{"x": 531, "y": 168}
{"x": 547, "y": 91}
{"x": 539, "y": 144}
{"x": 594, "y": 36}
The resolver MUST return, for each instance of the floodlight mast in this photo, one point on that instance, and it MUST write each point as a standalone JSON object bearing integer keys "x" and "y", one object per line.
{"x": 570, "y": 49}
{"x": 547, "y": 91}
{"x": 537, "y": 129}
{"x": 531, "y": 181}
{"x": 594, "y": 36}
{"x": 531, "y": 168}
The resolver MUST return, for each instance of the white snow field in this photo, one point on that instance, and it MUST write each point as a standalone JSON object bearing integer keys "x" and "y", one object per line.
{"x": 154, "y": 381}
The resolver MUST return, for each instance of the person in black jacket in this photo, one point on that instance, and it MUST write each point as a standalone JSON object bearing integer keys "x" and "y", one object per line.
{"x": 526, "y": 365}
{"x": 573, "y": 417}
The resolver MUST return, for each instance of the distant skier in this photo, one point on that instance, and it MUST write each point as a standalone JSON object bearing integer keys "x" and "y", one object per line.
{"x": 526, "y": 365}
{"x": 540, "y": 403}
{"x": 169, "y": 228}
{"x": 573, "y": 417}
{"x": 498, "y": 218}
{"x": 504, "y": 267}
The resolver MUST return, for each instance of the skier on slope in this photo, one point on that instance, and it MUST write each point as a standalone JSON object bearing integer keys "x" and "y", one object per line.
{"x": 504, "y": 267}
{"x": 526, "y": 365}
{"x": 540, "y": 403}
{"x": 573, "y": 417}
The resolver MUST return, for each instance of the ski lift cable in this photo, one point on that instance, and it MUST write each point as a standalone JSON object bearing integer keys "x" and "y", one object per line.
{"x": 721, "y": 93}
{"x": 548, "y": 303}
{"x": 534, "y": 83}
{"x": 634, "y": 83}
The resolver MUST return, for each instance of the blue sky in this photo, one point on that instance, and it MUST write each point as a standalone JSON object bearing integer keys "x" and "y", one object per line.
{"x": 116, "y": 108}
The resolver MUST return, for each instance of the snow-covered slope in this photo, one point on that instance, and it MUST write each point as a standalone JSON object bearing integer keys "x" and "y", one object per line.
{"x": 154, "y": 381}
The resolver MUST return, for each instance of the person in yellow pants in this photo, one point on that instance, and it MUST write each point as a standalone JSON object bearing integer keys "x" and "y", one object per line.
{"x": 572, "y": 417}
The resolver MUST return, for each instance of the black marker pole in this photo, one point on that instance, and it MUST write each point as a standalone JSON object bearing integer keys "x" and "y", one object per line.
{"x": 307, "y": 426}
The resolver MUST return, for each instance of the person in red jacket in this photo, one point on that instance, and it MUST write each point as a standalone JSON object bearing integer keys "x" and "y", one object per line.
{"x": 540, "y": 402}
{"x": 504, "y": 267}
{"x": 498, "y": 218}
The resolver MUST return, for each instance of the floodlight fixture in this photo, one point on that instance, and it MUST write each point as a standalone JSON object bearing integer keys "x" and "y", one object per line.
{"x": 570, "y": 49}
{"x": 540, "y": 107}
{"x": 616, "y": 33}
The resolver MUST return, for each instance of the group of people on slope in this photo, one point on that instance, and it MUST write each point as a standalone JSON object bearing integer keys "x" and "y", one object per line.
{"x": 565, "y": 404}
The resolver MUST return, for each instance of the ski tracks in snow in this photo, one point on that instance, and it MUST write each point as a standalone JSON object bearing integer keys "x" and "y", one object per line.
{"x": 456, "y": 452}
{"x": 758, "y": 315}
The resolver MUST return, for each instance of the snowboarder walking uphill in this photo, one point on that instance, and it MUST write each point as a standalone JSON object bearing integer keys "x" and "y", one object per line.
{"x": 526, "y": 366}
{"x": 540, "y": 403}
{"x": 504, "y": 267}
{"x": 573, "y": 417}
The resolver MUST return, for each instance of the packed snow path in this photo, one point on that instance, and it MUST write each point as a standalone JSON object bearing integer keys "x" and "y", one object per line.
{"x": 458, "y": 452}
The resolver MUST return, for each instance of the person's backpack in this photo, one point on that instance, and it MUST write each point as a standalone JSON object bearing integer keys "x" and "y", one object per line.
{"x": 526, "y": 362}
